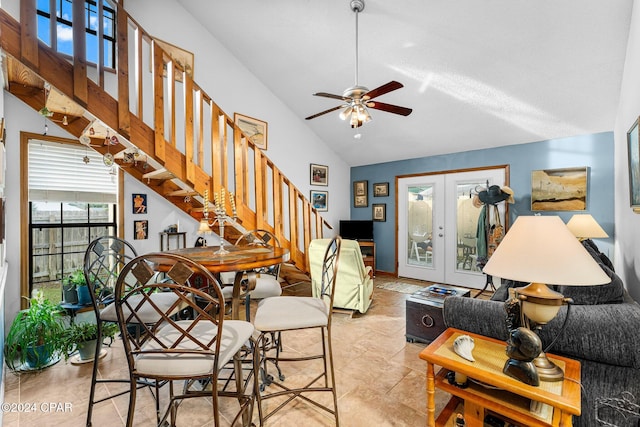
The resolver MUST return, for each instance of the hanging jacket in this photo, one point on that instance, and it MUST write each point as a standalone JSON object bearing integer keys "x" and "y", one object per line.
{"x": 481, "y": 237}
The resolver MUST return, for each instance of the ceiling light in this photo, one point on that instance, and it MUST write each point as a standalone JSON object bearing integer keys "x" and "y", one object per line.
{"x": 65, "y": 121}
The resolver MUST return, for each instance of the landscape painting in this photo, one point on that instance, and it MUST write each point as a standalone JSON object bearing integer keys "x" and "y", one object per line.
{"x": 559, "y": 189}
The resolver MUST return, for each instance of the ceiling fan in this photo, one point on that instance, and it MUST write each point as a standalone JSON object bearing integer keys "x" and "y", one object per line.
{"x": 358, "y": 98}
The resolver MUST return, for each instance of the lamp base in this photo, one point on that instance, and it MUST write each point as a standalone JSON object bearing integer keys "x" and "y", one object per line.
{"x": 547, "y": 370}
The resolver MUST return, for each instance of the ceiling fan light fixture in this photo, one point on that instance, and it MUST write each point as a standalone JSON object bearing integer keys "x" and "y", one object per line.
{"x": 346, "y": 113}
{"x": 359, "y": 116}
{"x": 357, "y": 98}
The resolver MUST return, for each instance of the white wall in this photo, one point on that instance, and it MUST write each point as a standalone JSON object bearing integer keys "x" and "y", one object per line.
{"x": 18, "y": 117}
{"x": 160, "y": 214}
{"x": 291, "y": 144}
{"x": 627, "y": 245}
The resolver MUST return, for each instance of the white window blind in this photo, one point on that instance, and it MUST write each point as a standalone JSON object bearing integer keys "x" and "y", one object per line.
{"x": 58, "y": 173}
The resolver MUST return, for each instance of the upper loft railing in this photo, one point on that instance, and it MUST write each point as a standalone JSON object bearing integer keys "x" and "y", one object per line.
{"x": 151, "y": 100}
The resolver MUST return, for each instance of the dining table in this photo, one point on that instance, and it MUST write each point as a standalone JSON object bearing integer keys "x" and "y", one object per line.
{"x": 241, "y": 260}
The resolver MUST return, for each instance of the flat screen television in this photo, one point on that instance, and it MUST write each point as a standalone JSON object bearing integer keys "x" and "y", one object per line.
{"x": 356, "y": 229}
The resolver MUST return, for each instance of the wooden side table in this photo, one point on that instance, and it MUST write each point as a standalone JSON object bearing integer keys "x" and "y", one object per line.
{"x": 493, "y": 391}
{"x": 177, "y": 235}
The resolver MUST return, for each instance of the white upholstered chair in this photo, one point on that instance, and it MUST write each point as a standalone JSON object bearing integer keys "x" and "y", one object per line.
{"x": 354, "y": 285}
{"x": 192, "y": 351}
{"x": 288, "y": 314}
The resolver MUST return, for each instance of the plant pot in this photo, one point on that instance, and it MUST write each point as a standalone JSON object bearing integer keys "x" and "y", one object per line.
{"x": 84, "y": 298}
{"x": 38, "y": 356}
{"x": 87, "y": 349}
{"x": 70, "y": 294}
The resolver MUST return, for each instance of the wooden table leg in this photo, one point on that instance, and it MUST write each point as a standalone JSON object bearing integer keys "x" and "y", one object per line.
{"x": 566, "y": 419}
{"x": 431, "y": 395}
{"x": 473, "y": 414}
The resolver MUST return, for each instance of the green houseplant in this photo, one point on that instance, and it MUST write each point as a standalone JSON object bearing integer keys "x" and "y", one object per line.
{"x": 76, "y": 282}
{"x": 83, "y": 337}
{"x": 33, "y": 341}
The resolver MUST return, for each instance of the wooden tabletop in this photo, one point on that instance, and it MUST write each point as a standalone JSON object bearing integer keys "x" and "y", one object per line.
{"x": 239, "y": 258}
{"x": 490, "y": 357}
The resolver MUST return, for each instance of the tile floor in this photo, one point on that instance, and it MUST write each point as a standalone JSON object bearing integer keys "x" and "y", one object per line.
{"x": 380, "y": 380}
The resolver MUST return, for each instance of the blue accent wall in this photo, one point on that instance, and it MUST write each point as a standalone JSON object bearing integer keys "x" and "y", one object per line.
{"x": 594, "y": 151}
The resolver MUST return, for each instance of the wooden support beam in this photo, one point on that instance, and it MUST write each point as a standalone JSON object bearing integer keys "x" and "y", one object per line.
{"x": 158, "y": 96}
{"x": 29, "y": 30}
{"x": 124, "y": 121}
{"x": 80, "y": 94}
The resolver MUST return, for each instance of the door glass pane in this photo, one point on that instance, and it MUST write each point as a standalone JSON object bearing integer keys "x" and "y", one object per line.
{"x": 467, "y": 225}
{"x": 420, "y": 225}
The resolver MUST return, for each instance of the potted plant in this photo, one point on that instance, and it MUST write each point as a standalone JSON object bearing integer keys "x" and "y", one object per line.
{"x": 83, "y": 337}
{"x": 76, "y": 282}
{"x": 33, "y": 341}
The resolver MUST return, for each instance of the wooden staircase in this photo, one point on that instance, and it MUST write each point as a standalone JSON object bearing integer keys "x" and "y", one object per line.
{"x": 189, "y": 144}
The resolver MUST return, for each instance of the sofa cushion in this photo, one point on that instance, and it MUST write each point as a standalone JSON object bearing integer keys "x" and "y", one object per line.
{"x": 610, "y": 293}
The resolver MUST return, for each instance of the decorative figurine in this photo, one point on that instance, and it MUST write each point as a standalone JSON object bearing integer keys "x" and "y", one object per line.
{"x": 523, "y": 346}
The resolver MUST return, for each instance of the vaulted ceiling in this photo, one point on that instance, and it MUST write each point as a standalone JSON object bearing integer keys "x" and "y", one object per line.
{"x": 477, "y": 73}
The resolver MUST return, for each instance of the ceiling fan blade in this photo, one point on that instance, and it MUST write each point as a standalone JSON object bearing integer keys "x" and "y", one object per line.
{"x": 330, "y": 95}
{"x": 389, "y": 108}
{"x": 325, "y": 112}
{"x": 385, "y": 88}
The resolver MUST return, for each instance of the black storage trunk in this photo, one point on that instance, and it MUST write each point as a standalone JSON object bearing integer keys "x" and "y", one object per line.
{"x": 424, "y": 312}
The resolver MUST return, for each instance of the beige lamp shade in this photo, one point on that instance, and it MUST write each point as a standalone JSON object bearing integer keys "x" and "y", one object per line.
{"x": 542, "y": 249}
{"x": 584, "y": 226}
{"x": 204, "y": 227}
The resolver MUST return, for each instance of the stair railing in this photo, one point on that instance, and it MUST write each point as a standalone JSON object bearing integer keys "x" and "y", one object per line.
{"x": 153, "y": 102}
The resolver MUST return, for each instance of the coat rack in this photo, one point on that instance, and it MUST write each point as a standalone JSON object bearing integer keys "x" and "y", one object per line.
{"x": 487, "y": 230}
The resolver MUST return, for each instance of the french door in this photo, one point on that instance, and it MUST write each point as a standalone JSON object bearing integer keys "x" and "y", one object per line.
{"x": 438, "y": 224}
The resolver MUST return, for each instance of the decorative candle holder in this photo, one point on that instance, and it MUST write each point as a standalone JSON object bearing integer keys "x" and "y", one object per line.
{"x": 221, "y": 215}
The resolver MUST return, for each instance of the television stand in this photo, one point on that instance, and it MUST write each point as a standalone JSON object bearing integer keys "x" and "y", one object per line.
{"x": 368, "y": 250}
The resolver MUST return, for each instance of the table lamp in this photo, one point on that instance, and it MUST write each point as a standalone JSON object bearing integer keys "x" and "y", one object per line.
{"x": 542, "y": 250}
{"x": 584, "y": 226}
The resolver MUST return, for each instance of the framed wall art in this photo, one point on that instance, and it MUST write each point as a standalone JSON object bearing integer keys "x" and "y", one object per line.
{"x": 360, "y": 199}
{"x": 254, "y": 129}
{"x": 319, "y": 200}
{"x": 182, "y": 57}
{"x": 381, "y": 189}
{"x": 139, "y": 203}
{"x": 140, "y": 230}
{"x": 319, "y": 174}
{"x": 633, "y": 141}
{"x": 559, "y": 189}
{"x": 379, "y": 212}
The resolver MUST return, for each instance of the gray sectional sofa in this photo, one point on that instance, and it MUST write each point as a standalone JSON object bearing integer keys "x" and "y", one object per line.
{"x": 602, "y": 332}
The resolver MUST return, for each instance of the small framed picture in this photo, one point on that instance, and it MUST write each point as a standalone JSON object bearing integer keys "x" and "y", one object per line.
{"x": 360, "y": 196}
{"x": 319, "y": 174}
{"x": 254, "y": 129}
{"x": 140, "y": 229}
{"x": 139, "y": 203}
{"x": 360, "y": 188}
{"x": 379, "y": 212}
{"x": 319, "y": 200}
{"x": 381, "y": 189}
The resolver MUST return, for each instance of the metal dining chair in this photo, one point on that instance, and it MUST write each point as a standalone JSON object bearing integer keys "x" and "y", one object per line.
{"x": 284, "y": 314}
{"x": 191, "y": 351}
{"x": 104, "y": 260}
